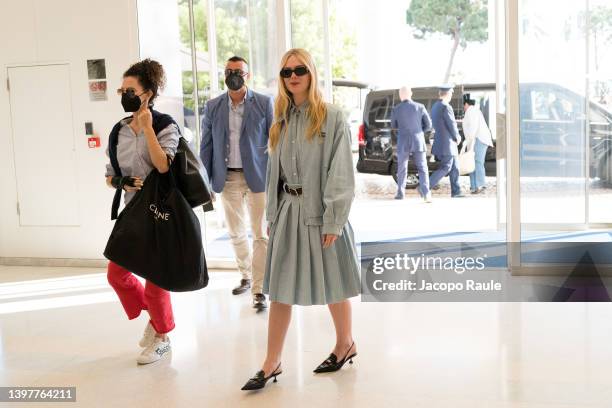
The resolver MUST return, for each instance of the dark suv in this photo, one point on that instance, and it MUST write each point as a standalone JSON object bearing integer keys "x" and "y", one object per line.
{"x": 553, "y": 125}
{"x": 377, "y": 139}
{"x": 553, "y": 134}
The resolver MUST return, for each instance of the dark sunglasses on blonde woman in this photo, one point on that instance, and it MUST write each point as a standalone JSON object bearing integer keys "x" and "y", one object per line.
{"x": 299, "y": 71}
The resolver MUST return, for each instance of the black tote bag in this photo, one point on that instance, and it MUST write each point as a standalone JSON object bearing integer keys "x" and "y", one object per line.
{"x": 191, "y": 177}
{"x": 158, "y": 237}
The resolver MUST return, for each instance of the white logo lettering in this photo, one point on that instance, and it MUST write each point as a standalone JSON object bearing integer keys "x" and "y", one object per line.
{"x": 159, "y": 215}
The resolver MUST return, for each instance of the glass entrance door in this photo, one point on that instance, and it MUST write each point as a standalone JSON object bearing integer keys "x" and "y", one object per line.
{"x": 553, "y": 109}
{"x": 563, "y": 123}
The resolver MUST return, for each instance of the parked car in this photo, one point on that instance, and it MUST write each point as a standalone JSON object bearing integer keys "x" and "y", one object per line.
{"x": 553, "y": 134}
{"x": 553, "y": 128}
{"x": 350, "y": 97}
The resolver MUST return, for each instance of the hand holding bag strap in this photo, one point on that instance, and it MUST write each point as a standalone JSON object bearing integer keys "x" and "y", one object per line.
{"x": 160, "y": 188}
{"x": 171, "y": 173}
{"x": 466, "y": 160}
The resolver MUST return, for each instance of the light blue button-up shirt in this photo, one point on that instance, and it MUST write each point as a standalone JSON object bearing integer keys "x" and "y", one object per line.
{"x": 325, "y": 166}
{"x": 133, "y": 152}
{"x": 236, "y": 113}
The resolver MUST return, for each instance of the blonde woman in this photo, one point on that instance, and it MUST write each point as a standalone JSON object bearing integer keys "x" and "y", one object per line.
{"x": 311, "y": 257}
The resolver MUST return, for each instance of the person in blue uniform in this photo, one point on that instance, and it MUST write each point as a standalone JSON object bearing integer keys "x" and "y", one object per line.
{"x": 411, "y": 121}
{"x": 446, "y": 140}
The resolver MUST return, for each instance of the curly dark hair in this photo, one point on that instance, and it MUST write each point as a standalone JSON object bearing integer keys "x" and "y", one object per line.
{"x": 150, "y": 75}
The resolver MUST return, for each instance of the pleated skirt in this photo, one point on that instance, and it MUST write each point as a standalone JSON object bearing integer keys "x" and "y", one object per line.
{"x": 298, "y": 270}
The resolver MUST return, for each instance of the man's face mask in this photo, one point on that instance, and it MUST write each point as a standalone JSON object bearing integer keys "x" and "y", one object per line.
{"x": 234, "y": 78}
{"x": 130, "y": 101}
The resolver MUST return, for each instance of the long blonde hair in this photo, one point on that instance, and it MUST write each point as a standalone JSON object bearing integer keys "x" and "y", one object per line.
{"x": 317, "y": 110}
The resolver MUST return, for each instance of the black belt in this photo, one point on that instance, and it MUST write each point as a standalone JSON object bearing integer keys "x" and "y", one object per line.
{"x": 235, "y": 169}
{"x": 292, "y": 191}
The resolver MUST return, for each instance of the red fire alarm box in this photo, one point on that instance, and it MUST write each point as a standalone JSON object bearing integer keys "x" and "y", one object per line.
{"x": 93, "y": 142}
{"x": 93, "y": 139}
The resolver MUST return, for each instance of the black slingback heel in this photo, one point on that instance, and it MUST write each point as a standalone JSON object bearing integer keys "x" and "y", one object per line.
{"x": 259, "y": 380}
{"x": 332, "y": 364}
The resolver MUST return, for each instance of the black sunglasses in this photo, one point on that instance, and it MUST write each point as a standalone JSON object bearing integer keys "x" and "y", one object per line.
{"x": 300, "y": 70}
{"x": 240, "y": 72}
{"x": 131, "y": 92}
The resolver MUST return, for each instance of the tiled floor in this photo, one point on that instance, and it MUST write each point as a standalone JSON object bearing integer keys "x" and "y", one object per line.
{"x": 71, "y": 331}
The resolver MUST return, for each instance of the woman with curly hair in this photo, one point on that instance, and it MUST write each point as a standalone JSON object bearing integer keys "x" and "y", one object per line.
{"x": 138, "y": 144}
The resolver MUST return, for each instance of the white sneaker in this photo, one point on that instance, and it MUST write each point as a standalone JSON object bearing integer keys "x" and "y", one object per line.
{"x": 154, "y": 351}
{"x": 147, "y": 336}
{"x": 427, "y": 198}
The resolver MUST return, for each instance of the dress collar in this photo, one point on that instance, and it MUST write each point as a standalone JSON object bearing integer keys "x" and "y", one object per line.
{"x": 302, "y": 108}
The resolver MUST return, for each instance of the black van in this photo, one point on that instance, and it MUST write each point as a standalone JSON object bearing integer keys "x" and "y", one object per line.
{"x": 553, "y": 134}
{"x": 552, "y": 129}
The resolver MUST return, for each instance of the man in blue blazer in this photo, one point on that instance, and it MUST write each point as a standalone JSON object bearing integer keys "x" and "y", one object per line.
{"x": 446, "y": 139}
{"x": 411, "y": 121}
{"x": 235, "y": 127}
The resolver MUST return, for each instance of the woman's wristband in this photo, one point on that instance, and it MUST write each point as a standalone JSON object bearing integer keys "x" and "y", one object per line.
{"x": 119, "y": 182}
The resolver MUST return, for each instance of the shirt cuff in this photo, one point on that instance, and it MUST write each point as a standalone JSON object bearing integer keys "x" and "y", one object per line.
{"x": 109, "y": 171}
{"x": 169, "y": 152}
{"x": 332, "y": 229}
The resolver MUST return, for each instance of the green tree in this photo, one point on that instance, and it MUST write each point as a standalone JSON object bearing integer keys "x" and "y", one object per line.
{"x": 262, "y": 25}
{"x": 343, "y": 43}
{"x": 243, "y": 27}
{"x": 463, "y": 20}
{"x": 232, "y": 38}
{"x": 200, "y": 17}
{"x": 232, "y": 30}
{"x": 343, "y": 47}
{"x": 307, "y": 30}
{"x": 307, "y": 33}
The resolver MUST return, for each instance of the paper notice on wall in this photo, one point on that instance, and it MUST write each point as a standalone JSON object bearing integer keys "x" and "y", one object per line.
{"x": 96, "y": 73}
{"x": 97, "y": 91}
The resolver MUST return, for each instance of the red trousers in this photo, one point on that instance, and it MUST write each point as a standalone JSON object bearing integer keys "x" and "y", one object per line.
{"x": 136, "y": 298}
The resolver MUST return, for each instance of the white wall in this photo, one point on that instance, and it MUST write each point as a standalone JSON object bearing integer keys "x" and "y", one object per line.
{"x": 69, "y": 31}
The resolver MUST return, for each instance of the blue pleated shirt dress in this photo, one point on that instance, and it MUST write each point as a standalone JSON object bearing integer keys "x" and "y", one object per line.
{"x": 298, "y": 270}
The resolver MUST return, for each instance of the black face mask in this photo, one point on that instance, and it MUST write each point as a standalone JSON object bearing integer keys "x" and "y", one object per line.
{"x": 234, "y": 81}
{"x": 130, "y": 102}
